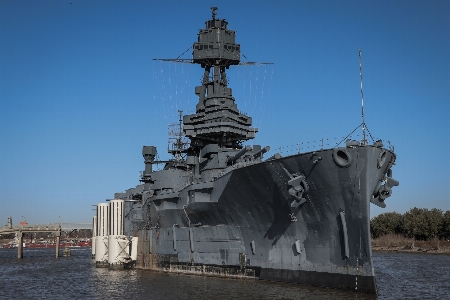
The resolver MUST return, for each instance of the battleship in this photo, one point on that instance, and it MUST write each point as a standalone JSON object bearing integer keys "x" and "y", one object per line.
{"x": 218, "y": 207}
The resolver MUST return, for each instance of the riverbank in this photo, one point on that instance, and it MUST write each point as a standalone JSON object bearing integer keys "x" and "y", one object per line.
{"x": 386, "y": 243}
{"x": 398, "y": 243}
{"x": 50, "y": 243}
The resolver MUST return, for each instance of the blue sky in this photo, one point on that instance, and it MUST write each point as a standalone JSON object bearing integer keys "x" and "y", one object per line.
{"x": 80, "y": 94}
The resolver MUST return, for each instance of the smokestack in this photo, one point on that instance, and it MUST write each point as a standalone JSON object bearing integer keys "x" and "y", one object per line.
{"x": 149, "y": 153}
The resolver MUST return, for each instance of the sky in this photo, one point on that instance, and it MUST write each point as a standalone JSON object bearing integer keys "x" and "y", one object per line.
{"x": 80, "y": 93}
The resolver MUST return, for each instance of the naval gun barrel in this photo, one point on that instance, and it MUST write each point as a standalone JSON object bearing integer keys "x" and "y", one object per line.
{"x": 241, "y": 152}
{"x": 261, "y": 152}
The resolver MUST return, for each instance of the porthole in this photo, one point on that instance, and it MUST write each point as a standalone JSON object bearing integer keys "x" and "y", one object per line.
{"x": 342, "y": 157}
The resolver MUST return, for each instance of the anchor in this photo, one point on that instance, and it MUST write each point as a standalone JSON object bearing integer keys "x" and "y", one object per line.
{"x": 297, "y": 187}
{"x": 384, "y": 191}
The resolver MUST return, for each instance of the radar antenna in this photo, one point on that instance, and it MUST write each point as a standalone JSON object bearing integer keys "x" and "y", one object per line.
{"x": 213, "y": 10}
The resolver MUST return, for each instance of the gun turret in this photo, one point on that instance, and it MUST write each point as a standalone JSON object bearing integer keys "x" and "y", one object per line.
{"x": 241, "y": 152}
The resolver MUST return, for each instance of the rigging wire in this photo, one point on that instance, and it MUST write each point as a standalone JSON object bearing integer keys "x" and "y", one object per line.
{"x": 362, "y": 97}
{"x": 161, "y": 88}
{"x": 256, "y": 88}
{"x": 170, "y": 91}
{"x": 363, "y": 124}
{"x": 184, "y": 52}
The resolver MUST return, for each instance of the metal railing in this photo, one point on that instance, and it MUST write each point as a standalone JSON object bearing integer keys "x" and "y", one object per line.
{"x": 324, "y": 143}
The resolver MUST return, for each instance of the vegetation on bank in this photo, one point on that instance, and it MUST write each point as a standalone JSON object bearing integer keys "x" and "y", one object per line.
{"x": 419, "y": 229}
{"x": 400, "y": 243}
{"x": 418, "y": 223}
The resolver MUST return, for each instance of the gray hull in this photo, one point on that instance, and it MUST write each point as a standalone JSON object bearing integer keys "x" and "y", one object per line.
{"x": 246, "y": 219}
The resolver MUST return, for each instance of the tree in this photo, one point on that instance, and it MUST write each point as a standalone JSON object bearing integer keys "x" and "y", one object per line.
{"x": 413, "y": 223}
{"x": 435, "y": 219}
{"x": 421, "y": 223}
{"x": 387, "y": 223}
{"x": 445, "y": 231}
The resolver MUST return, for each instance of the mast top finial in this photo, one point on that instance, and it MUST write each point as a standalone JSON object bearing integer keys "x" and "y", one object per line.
{"x": 213, "y": 9}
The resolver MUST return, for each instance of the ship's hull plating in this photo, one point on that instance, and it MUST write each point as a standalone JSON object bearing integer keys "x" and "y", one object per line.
{"x": 247, "y": 221}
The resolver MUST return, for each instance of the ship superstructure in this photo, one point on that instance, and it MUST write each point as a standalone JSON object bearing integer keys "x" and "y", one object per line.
{"x": 218, "y": 208}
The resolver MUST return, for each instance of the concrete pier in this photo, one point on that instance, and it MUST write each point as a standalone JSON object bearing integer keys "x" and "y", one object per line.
{"x": 58, "y": 237}
{"x": 20, "y": 246}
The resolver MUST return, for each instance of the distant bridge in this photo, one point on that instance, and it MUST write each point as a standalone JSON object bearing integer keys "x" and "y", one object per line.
{"x": 46, "y": 227}
{"x": 75, "y": 226}
{"x": 19, "y": 231}
{"x": 56, "y": 229}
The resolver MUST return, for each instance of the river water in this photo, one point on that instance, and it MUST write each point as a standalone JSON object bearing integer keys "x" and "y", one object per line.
{"x": 39, "y": 275}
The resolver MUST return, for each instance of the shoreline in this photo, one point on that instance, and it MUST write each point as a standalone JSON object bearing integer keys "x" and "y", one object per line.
{"x": 399, "y": 243}
{"x": 416, "y": 250}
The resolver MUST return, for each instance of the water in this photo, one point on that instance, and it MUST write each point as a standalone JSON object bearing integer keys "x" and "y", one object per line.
{"x": 39, "y": 275}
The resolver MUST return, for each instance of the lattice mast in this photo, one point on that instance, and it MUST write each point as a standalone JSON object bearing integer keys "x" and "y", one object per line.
{"x": 217, "y": 119}
{"x": 178, "y": 142}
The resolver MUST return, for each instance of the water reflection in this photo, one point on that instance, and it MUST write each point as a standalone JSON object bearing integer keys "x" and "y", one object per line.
{"x": 39, "y": 275}
{"x": 411, "y": 275}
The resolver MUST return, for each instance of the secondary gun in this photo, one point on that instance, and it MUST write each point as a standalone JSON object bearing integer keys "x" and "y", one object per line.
{"x": 241, "y": 152}
{"x": 261, "y": 152}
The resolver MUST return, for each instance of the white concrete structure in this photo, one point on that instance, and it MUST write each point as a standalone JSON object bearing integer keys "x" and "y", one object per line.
{"x": 118, "y": 244}
{"x": 101, "y": 240}
{"x": 134, "y": 244}
{"x": 94, "y": 234}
